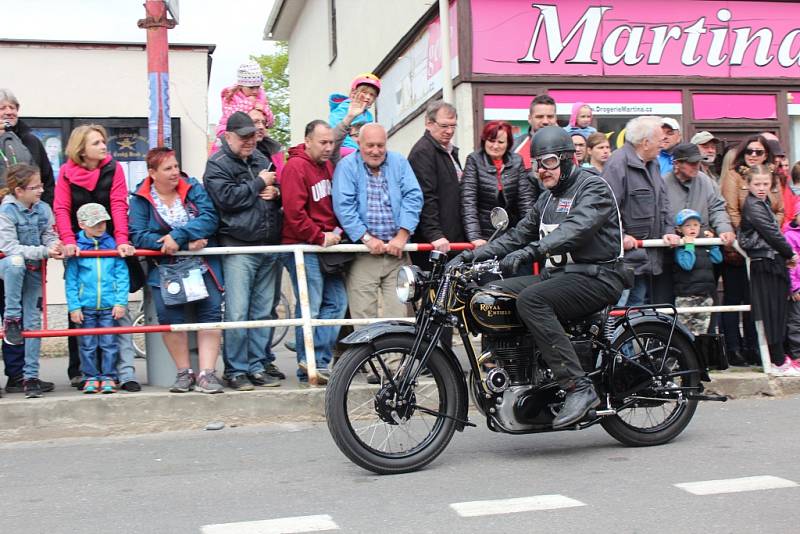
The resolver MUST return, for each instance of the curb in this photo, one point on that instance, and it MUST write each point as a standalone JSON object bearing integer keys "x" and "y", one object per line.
{"x": 150, "y": 412}
{"x": 69, "y": 415}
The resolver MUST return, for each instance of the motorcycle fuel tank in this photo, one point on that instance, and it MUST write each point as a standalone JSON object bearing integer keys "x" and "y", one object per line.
{"x": 495, "y": 311}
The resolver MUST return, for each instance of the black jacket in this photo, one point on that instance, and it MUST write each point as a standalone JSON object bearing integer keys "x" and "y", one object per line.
{"x": 643, "y": 203}
{"x": 759, "y": 234}
{"x": 441, "y": 191}
{"x": 573, "y": 226}
{"x": 480, "y": 193}
{"x": 700, "y": 280}
{"x": 36, "y": 149}
{"x": 233, "y": 185}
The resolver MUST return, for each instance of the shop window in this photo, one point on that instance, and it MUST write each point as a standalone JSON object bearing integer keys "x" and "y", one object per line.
{"x": 127, "y": 141}
{"x": 611, "y": 110}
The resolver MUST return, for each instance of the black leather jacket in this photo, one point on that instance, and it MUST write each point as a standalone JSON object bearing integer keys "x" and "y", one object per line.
{"x": 759, "y": 234}
{"x": 233, "y": 185}
{"x": 479, "y": 193}
{"x": 574, "y": 226}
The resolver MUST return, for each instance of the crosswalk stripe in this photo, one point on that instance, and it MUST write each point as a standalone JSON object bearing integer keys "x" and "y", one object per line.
{"x": 511, "y": 506}
{"x": 283, "y": 525}
{"x": 735, "y": 485}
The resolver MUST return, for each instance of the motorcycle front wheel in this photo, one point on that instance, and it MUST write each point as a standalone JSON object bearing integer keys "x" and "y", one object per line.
{"x": 375, "y": 428}
{"x": 658, "y": 413}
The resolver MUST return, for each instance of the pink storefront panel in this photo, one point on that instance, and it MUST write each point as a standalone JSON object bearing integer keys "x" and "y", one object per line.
{"x": 708, "y": 106}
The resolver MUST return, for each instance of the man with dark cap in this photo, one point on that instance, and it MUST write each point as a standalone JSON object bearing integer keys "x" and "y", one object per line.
{"x": 247, "y": 200}
{"x": 689, "y": 188}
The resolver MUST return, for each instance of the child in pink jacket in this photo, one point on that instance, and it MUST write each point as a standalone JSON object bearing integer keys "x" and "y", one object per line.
{"x": 792, "y": 234}
{"x": 246, "y": 95}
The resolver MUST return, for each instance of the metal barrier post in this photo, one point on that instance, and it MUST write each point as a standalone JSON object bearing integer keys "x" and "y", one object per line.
{"x": 305, "y": 311}
{"x": 160, "y": 365}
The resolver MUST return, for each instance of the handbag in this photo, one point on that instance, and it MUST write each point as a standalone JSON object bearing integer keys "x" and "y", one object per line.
{"x": 335, "y": 262}
{"x": 182, "y": 281}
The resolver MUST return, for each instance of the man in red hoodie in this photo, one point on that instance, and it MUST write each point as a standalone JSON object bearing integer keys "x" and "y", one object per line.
{"x": 308, "y": 218}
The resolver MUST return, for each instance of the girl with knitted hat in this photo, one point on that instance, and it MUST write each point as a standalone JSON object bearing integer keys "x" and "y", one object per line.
{"x": 246, "y": 95}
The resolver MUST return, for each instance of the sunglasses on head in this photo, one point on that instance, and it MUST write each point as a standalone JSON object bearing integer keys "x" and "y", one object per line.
{"x": 548, "y": 161}
{"x": 754, "y": 151}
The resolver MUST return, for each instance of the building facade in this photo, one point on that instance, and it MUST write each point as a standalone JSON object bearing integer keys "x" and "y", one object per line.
{"x": 63, "y": 84}
{"x": 730, "y": 67}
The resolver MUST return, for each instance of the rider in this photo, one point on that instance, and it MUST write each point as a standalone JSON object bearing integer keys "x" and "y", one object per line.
{"x": 574, "y": 227}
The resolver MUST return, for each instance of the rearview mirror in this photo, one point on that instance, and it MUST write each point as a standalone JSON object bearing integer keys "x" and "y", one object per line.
{"x": 499, "y": 218}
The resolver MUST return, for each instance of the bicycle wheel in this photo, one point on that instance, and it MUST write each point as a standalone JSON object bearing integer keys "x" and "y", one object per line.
{"x": 139, "y": 344}
{"x": 284, "y": 311}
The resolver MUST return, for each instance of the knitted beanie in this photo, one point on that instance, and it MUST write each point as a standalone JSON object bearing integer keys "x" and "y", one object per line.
{"x": 249, "y": 75}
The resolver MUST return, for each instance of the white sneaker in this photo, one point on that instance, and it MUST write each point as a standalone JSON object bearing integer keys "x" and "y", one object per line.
{"x": 781, "y": 370}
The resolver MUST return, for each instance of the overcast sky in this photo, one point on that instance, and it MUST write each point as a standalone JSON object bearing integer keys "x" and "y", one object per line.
{"x": 235, "y": 26}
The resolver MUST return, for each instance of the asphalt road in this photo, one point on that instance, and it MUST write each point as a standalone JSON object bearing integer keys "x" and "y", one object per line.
{"x": 291, "y": 478}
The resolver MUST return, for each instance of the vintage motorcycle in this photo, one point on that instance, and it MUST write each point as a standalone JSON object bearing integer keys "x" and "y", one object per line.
{"x": 397, "y": 395}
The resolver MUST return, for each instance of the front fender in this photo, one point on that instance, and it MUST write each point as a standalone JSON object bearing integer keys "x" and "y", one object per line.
{"x": 368, "y": 334}
{"x": 373, "y": 331}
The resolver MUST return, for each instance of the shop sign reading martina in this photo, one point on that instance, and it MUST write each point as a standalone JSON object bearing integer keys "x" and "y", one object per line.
{"x": 634, "y": 38}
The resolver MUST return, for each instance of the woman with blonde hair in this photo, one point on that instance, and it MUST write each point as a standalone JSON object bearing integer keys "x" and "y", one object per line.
{"x": 92, "y": 175}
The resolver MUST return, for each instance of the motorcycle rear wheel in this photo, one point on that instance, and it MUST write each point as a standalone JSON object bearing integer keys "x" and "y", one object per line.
{"x": 352, "y": 411}
{"x": 653, "y": 422}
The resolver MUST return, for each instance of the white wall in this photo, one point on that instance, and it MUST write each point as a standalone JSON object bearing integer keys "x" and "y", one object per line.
{"x": 366, "y": 30}
{"x": 92, "y": 81}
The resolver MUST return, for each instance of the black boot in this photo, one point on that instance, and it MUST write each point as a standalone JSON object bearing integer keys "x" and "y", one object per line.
{"x": 579, "y": 401}
{"x": 736, "y": 359}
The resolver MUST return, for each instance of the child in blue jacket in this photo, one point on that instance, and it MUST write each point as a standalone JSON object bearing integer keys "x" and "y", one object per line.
{"x": 693, "y": 272}
{"x": 97, "y": 295}
{"x": 364, "y": 91}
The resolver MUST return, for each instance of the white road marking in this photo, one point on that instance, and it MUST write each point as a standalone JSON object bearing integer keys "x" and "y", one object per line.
{"x": 511, "y": 506}
{"x": 284, "y": 525}
{"x": 735, "y": 485}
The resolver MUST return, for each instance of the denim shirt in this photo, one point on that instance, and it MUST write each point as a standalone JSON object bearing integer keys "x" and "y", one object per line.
{"x": 350, "y": 193}
{"x": 26, "y": 232}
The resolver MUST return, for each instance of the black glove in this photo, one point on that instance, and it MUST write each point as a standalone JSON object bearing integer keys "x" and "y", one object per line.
{"x": 513, "y": 261}
{"x": 465, "y": 256}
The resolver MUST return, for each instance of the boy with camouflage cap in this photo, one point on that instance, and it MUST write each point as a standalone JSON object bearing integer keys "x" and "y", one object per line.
{"x": 97, "y": 295}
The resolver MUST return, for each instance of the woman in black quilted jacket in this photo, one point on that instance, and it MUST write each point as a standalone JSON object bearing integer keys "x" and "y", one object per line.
{"x": 494, "y": 176}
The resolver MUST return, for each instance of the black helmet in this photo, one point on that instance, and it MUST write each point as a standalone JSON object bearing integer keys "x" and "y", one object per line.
{"x": 551, "y": 140}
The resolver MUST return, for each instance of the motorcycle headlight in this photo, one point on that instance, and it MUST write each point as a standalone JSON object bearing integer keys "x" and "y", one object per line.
{"x": 409, "y": 283}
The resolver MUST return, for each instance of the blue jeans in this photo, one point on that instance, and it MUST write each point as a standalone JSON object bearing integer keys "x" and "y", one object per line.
{"x": 637, "y": 295}
{"x": 327, "y": 298}
{"x": 22, "y": 301}
{"x": 107, "y": 343}
{"x": 249, "y": 290}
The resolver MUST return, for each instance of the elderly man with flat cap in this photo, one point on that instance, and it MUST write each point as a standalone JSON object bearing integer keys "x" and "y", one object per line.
{"x": 709, "y": 148}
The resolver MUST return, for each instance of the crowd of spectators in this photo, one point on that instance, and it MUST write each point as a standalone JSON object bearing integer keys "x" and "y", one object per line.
{"x": 343, "y": 185}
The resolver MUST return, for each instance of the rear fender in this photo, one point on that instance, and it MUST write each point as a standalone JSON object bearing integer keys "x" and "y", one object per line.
{"x": 665, "y": 320}
{"x": 370, "y": 333}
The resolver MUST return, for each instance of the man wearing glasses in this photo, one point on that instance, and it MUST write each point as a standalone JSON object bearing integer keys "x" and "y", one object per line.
{"x": 574, "y": 227}
{"x": 434, "y": 159}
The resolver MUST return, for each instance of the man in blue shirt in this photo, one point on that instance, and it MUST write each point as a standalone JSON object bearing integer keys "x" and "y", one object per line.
{"x": 672, "y": 136}
{"x": 377, "y": 201}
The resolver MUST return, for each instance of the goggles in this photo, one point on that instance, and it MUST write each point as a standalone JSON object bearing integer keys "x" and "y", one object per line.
{"x": 548, "y": 161}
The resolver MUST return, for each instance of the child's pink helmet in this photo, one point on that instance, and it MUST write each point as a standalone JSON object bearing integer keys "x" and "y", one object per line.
{"x": 366, "y": 79}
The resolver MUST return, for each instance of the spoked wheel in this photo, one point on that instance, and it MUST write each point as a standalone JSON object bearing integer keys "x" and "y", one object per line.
{"x": 284, "y": 312}
{"x": 660, "y": 412}
{"x": 373, "y": 425}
